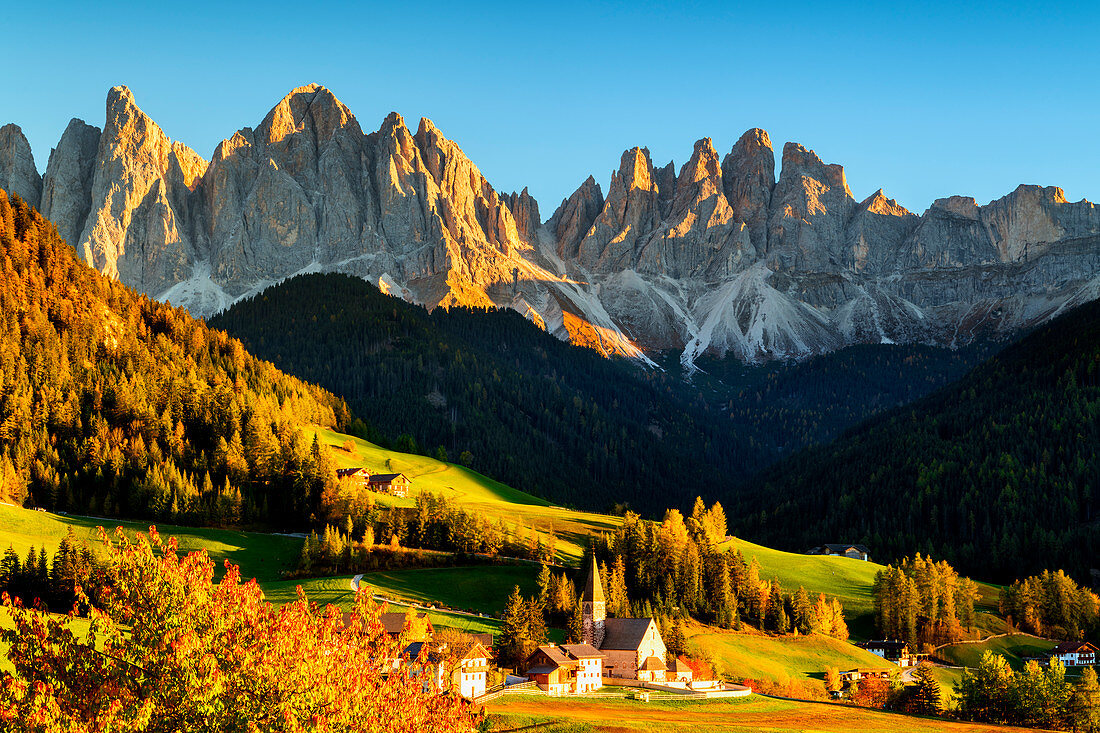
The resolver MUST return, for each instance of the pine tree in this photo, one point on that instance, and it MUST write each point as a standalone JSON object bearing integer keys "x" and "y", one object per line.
{"x": 514, "y": 629}
{"x": 926, "y": 698}
{"x": 575, "y": 632}
{"x": 544, "y": 583}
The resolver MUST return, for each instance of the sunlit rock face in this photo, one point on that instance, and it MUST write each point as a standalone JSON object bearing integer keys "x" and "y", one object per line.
{"x": 17, "y": 172}
{"x": 716, "y": 256}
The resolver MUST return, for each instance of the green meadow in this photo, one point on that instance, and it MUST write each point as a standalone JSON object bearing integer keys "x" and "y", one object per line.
{"x": 1014, "y": 648}
{"x": 472, "y": 490}
{"x": 779, "y": 659}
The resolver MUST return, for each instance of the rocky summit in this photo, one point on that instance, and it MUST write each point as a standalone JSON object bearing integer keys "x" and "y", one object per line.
{"x": 716, "y": 257}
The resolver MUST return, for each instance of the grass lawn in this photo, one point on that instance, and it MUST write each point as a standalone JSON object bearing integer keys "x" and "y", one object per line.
{"x": 337, "y": 592}
{"x": 754, "y": 713}
{"x": 474, "y": 491}
{"x": 848, "y": 580}
{"x": 779, "y": 659}
{"x": 261, "y": 556}
{"x": 1013, "y": 648}
{"x": 483, "y": 588}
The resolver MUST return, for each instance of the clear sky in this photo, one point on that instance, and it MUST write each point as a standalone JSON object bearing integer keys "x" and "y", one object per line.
{"x": 924, "y": 100}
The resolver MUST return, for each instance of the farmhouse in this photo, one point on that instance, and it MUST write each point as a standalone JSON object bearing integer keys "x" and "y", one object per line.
{"x": 470, "y": 676}
{"x": 856, "y": 552}
{"x": 1074, "y": 654}
{"x": 632, "y": 647}
{"x": 396, "y": 484}
{"x": 891, "y": 650}
{"x": 357, "y": 476}
{"x": 569, "y": 668}
{"x": 855, "y": 675}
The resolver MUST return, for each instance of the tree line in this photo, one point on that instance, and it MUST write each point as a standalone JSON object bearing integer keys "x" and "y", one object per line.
{"x": 116, "y": 405}
{"x": 1051, "y": 604}
{"x": 677, "y": 567}
{"x": 922, "y": 601}
{"x": 52, "y": 583}
{"x": 380, "y": 537}
{"x": 995, "y": 473}
{"x": 1038, "y": 697}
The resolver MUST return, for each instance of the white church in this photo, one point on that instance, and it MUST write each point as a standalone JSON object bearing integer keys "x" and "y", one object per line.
{"x": 632, "y": 647}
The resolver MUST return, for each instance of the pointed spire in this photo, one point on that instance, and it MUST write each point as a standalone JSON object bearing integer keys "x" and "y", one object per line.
{"x": 593, "y": 589}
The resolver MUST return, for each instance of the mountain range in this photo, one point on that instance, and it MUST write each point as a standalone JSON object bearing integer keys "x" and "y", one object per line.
{"x": 718, "y": 257}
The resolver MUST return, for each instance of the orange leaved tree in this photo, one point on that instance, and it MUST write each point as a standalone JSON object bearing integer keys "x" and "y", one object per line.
{"x": 170, "y": 650}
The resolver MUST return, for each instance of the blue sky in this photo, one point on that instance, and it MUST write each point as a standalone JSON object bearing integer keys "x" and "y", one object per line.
{"x": 923, "y": 100}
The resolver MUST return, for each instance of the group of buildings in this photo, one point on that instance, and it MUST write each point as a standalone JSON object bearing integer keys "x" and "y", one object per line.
{"x": 616, "y": 649}
{"x": 613, "y": 650}
{"x": 395, "y": 484}
{"x": 462, "y": 670}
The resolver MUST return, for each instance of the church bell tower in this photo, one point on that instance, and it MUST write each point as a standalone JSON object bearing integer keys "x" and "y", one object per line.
{"x": 593, "y": 608}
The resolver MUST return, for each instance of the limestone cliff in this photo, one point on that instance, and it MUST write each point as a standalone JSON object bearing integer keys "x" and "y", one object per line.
{"x": 717, "y": 256}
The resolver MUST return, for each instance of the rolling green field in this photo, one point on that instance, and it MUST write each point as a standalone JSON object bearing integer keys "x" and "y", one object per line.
{"x": 1013, "y": 648}
{"x": 481, "y": 588}
{"x": 849, "y": 580}
{"x": 739, "y": 715}
{"x": 473, "y": 491}
{"x": 338, "y": 592}
{"x": 778, "y": 659}
{"x": 259, "y": 555}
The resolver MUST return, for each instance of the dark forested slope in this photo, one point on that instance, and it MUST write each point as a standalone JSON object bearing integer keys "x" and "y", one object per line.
{"x": 998, "y": 473}
{"x": 558, "y": 420}
{"x": 114, "y": 404}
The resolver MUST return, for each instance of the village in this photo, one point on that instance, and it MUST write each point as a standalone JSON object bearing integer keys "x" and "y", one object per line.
{"x": 616, "y": 656}
{"x": 624, "y": 653}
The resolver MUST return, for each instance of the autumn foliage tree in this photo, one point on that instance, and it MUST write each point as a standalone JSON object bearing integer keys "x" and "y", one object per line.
{"x": 169, "y": 650}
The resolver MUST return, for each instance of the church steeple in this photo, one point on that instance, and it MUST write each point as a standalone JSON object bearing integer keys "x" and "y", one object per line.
{"x": 593, "y": 608}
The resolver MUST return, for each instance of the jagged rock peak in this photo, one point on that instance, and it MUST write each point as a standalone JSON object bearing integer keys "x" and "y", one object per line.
{"x": 703, "y": 163}
{"x": 635, "y": 169}
{"x": 67, "y": 185}
{"x": 877, "y": 203}
{"x": 525, "y": 210}
{"x": 748, "y": 178}
{"x": 573, "y": 219}
{"x": 18, "y": 173}
{"x": 801, "y": 161}
{"x": 311, "y": 106}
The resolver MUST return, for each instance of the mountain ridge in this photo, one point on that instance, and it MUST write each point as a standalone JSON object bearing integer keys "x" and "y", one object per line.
{"x": 720, "y": 256}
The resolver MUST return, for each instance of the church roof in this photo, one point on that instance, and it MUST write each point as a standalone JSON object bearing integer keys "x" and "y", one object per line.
{"x": 624, "y": 633}
{"x": 593, "y": 589}
{"x": 653, "y": 664}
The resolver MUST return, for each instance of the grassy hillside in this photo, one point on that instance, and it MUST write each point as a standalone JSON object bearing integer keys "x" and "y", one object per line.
{"x": 779, "y": 659}
{"x": 472, "y": 490}
{"x": 738, "y": 715}
{"x": 482, "y": 589}
{"x": 847, "y": 579}
{"x": 1013, "y": 648}
{"x": 259, "y": 555}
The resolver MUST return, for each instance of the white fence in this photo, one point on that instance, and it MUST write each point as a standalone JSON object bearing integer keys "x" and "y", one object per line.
{"x": 633, "y": 689}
